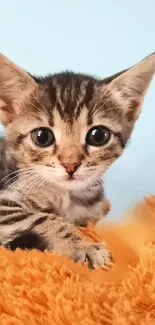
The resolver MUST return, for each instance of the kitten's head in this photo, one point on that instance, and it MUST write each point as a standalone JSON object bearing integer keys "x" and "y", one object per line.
{"x": 70, "y": 127}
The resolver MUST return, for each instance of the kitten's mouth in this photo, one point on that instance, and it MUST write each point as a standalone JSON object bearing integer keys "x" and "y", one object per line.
{"x": 70, "y": 178}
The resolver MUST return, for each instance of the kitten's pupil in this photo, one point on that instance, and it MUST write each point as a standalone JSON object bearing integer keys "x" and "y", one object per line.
{"x": 98, "y": 136}
{"x": 42, "y": 137}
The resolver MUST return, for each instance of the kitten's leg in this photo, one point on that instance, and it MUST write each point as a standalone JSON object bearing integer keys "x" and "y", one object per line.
{"x": 51, "y": 232}
{"x": 65, "y": 239}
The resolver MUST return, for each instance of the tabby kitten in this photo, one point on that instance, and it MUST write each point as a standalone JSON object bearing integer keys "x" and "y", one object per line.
{"x": 62, "y": 133}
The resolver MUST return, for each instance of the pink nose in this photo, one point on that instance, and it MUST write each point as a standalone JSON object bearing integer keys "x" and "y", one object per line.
{"x": 71, "y": 167}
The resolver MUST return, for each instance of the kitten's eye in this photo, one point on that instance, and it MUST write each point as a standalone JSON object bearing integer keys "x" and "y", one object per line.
{"x": 98, "y": 136}
{"x": 42, "y": 137}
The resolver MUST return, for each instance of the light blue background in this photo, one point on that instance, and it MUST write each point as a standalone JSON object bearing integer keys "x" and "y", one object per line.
{"x": 99, "y": 37}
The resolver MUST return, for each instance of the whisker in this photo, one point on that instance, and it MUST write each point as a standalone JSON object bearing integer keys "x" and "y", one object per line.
{"x": 27, "y": 187}
{"x": 17, "y": 171}
{"x": 14, "y": 178}
{"x": 34, "y": 183}
{"x": 20, "y": 184}
{"x": 41, "y": 185}
{"x": 23, "y": 170}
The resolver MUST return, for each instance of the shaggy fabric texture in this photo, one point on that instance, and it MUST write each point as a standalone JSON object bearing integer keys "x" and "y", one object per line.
{"x": 46, "y": 289}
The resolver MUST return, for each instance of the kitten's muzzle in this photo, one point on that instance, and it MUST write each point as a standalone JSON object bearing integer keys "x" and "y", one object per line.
{"x": 71, "y": 167}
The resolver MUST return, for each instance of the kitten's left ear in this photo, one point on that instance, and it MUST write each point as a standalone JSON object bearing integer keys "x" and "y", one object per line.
{"x": 15, "y": 87}
{"x": 130, "y": 87}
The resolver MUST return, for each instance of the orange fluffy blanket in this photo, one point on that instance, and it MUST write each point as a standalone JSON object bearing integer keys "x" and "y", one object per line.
{"x": 46, "y": 289}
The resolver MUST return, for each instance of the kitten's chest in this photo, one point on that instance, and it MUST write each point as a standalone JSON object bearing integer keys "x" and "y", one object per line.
{"x": 79, "y": 211}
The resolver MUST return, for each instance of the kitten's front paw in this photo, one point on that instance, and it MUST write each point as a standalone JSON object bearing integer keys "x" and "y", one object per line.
{"x": 97, "y": 255}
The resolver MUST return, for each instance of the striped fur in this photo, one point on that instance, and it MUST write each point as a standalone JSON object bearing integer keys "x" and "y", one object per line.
{"x": 40, "y": 206}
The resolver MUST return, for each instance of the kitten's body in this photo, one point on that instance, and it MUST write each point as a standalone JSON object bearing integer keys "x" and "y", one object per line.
{"x": 62, "y": 133}
{"x": 76, "y": 206}
{"x": 47, "y": 211}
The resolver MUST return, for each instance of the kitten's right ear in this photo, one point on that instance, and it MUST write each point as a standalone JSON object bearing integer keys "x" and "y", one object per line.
{"x": 129, "y": 88}
{"x": 15, "y": 87}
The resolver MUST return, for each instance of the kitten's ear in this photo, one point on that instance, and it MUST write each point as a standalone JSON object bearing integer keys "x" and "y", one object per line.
{"x": 130, "y": 87}
{"x": 15, "y": 86}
